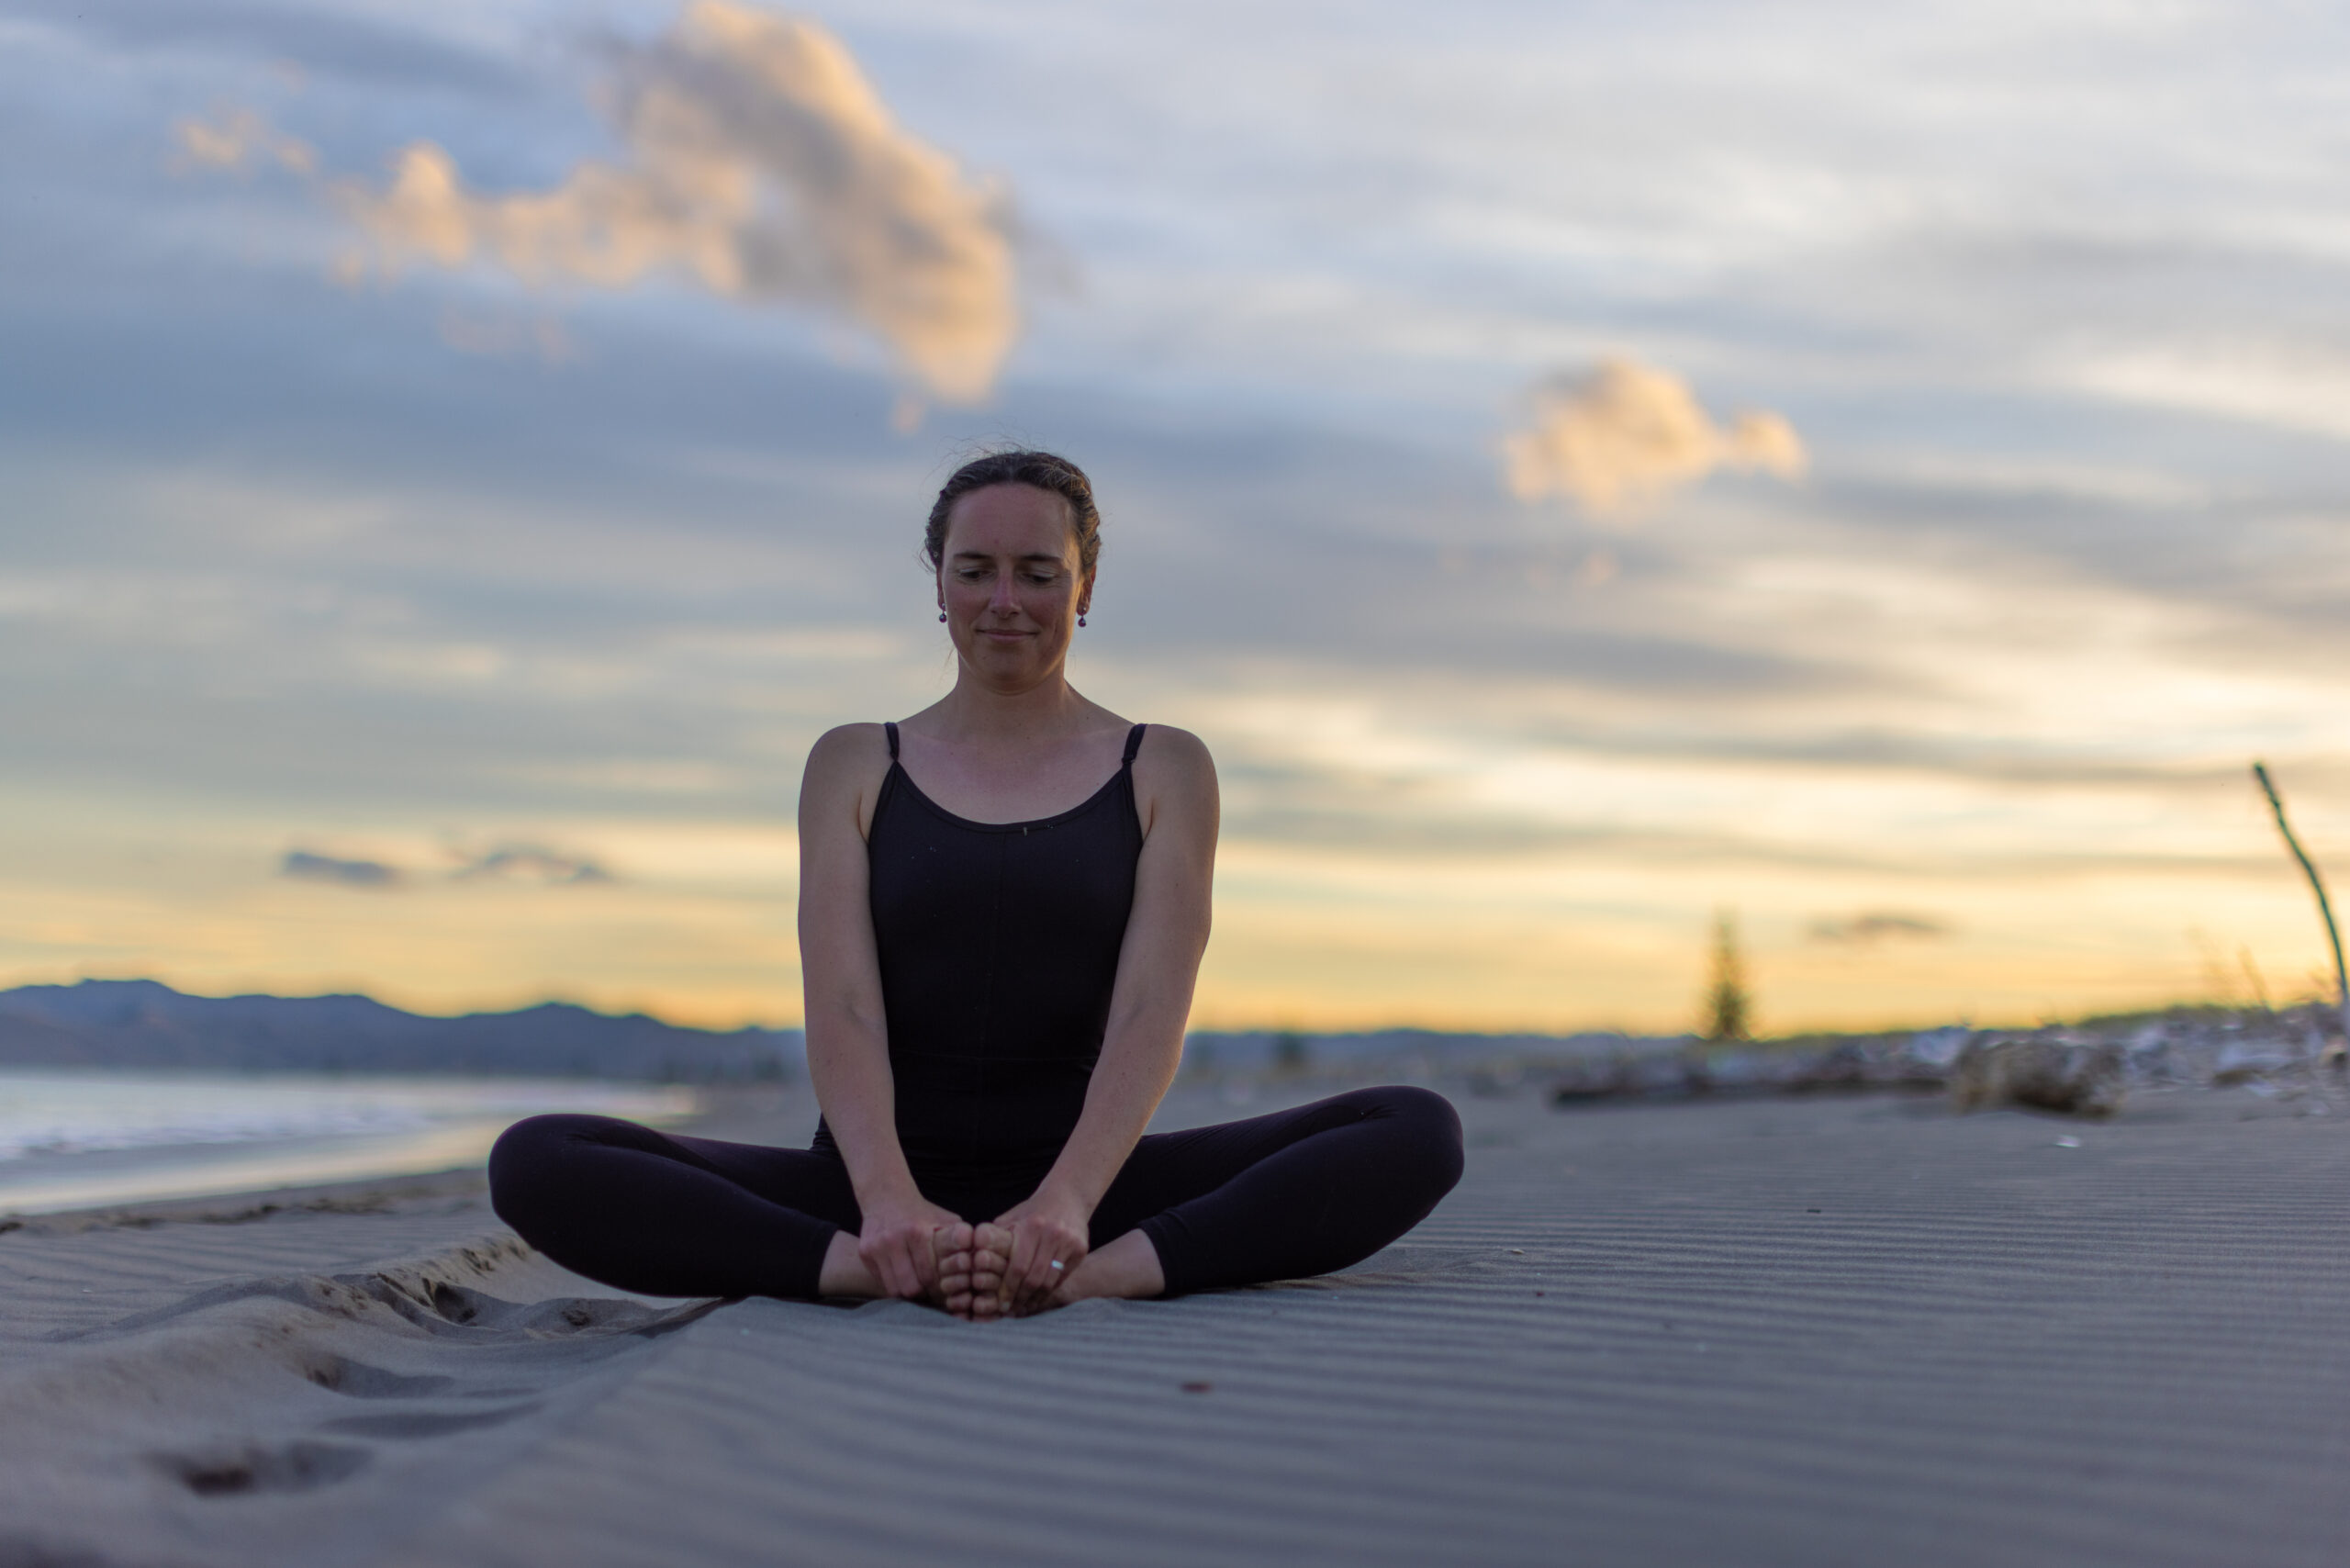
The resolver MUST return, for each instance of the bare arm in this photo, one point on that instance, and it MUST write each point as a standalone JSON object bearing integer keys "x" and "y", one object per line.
{"x": 1158, "y": 964}
{"x": 849, "y": 1039}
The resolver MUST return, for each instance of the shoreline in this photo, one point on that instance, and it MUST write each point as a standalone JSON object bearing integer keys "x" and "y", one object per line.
{"x": 71, "y": 1141}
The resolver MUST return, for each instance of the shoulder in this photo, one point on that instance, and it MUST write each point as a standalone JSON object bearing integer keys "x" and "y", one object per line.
{"x": 1174, "y": 753}
{"x": 849, "y": 746}
{"x": 1175, "y": 780}
{"x": 846, "y": 765}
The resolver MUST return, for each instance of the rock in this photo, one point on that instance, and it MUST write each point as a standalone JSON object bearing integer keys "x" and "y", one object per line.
{"x": 2077, "y": 1079}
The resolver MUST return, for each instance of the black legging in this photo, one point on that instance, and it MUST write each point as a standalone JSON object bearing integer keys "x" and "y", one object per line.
{"x": 1276, "y": 1197}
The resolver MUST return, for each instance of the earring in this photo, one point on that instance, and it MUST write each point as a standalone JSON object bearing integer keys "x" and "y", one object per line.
{"x": 1081, "y": 619}
{"x": 942, "y": 615}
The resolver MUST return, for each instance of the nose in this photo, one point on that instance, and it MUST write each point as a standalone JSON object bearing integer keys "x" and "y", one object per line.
{"x": 1004, "y": 601}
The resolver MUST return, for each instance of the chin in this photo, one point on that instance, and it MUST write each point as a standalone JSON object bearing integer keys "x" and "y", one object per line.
{"x": 1003, "y": 658}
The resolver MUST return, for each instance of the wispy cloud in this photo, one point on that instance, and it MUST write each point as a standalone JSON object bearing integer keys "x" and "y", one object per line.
{"x": 2298, "y": 386}
{"x": 762, "y": 165}
{"x": 304, "y": 866}
{"x": 1869, "y": 929}
{"x": 235, "y": 139}
{"x": 1628, "y": 435}
{"x": 529, "y": 863}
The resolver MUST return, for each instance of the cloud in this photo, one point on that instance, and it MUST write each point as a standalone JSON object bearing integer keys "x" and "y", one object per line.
{"x": 304, "y": 866}
{"x": 236, "y": 140}
{"x": 1867, "y": 930}
{"x": 1628, "y": 435}
{"x": 529, "y": 863}
{"x": 505, "y": 862}
{"x": 2292, "y": 385}
{"x": 762, "y": 165}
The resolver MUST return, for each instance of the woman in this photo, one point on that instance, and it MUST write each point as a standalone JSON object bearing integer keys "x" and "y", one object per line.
{"x": 999, "y": 951}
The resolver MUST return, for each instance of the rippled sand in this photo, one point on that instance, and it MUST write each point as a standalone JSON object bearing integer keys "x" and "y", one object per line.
{"x": 1800, "y": 1332}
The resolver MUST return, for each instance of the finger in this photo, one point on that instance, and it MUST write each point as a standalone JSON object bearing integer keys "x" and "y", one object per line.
{"x": 1077, "y": 1248}
{"x": 1025, "y": 1247}
{"x": 923, "y": 1255}
{"x": 905, "y": 1278}
{"x": 1042, "y": 1275}
{"x": 1053, "y": 1247}
{"x": 875, "y": 1253}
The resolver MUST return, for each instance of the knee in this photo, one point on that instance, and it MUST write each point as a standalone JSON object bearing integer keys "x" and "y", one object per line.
{"x": 528, "y": 1153}
{"x": 534, "y": 1138}
{"x": 1429, "y": 1131}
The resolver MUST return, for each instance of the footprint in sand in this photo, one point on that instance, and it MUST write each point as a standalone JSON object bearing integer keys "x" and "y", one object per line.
{"x": 338, "y": 1374}
{"x": 291, "y": 1467}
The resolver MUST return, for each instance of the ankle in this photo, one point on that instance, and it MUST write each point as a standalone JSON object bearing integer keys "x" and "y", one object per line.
{"x": 1128, "y": 1268}
{"x": 843, "y": 1272}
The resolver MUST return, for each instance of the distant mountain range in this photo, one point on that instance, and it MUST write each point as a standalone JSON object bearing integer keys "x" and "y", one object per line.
{"x": 143, "y": 1023}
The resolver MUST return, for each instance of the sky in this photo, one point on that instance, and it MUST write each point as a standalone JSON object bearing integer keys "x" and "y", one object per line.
{"x": 1883, "y": 472}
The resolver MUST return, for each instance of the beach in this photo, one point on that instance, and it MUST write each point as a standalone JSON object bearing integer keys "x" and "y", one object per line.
{"x": 1802, "y": 1330}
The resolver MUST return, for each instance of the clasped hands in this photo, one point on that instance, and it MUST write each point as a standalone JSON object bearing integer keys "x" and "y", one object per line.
{"x": 1012, "y": 1266}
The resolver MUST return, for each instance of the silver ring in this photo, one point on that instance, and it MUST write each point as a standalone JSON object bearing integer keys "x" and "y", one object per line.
{"x": 1055, "y": 1263}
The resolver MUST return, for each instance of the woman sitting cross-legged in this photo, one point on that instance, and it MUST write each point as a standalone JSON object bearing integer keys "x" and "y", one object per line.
{"x": 1003, "y": 902}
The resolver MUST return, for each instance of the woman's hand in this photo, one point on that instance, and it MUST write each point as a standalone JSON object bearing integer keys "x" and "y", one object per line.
{"x": 901, "y": 1243}
{"x": 1049, "y": 1228}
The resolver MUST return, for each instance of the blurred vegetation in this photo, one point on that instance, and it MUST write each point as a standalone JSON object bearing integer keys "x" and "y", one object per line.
{"x": 1289, "y": 1052}
{"x": 1729, "y": 1008}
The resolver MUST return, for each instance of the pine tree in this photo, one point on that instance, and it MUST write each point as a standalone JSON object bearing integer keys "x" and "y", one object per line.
{"x": 1730, "y": 1009}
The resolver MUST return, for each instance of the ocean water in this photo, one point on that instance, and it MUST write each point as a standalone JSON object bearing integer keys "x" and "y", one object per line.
{"x": 77, "y": 1139}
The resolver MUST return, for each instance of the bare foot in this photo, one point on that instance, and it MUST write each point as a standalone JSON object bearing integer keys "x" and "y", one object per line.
{"x": 950, "y": 1249}
{"x": 991, "y": 1258}
{"x": 1127, "y": 1269}
{"x": 844, "y": 1273}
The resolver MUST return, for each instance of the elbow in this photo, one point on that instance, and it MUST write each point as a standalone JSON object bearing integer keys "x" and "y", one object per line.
{"x": 842, "y": 1025}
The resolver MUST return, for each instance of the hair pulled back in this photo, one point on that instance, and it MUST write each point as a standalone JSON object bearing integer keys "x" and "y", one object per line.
{"x": 1040, "y": 470}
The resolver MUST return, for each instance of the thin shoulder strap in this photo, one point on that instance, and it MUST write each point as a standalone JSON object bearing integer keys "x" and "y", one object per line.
{"x": 1134, "y": 744}
{"x": 892, "y": 729}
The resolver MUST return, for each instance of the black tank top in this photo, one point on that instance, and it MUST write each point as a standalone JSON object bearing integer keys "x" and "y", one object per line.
{"x": 999, "y": 946}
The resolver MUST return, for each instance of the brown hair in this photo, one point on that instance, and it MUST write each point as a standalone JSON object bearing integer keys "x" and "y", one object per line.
{"x": 1039, "y": 470}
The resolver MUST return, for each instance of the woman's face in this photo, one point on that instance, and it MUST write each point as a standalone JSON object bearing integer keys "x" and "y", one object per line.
{"x": 1010, "y": 584}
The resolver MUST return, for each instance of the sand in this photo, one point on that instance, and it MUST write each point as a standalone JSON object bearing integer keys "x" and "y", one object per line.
{"x": 1805, "y": 1332}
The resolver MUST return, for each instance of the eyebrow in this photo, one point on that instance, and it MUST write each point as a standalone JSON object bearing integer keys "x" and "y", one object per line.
{"x": 1032, "y": 556}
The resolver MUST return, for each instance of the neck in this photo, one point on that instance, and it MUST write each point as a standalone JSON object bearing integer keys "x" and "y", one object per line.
{"x": 974, "y": 711}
